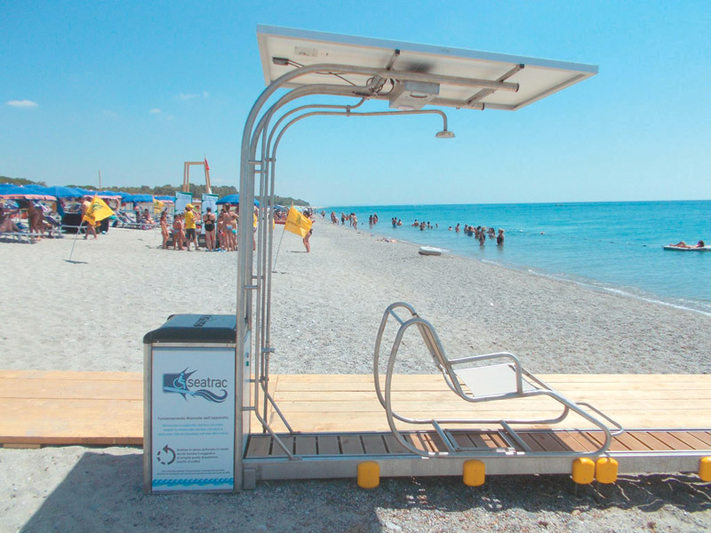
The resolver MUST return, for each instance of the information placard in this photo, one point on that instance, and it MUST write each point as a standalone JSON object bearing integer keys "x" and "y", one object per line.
{"x": 193, "y": 419}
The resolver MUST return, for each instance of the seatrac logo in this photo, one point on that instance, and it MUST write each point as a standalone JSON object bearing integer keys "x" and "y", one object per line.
{"x": 186, "y": 385}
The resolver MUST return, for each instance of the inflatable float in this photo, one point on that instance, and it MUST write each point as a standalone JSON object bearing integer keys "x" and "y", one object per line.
{"x": 429, "y": 250}
{"x": 688, "y": 248}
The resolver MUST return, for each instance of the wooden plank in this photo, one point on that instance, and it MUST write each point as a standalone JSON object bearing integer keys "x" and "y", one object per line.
{"x": 278, "y": 451}
{"x": 419, "y": 441}
{"x": 481, "y": 440}
{"x": 259, "y": 446}
{"x": 549, "y": 441}
{"x": 374, "y": 444}
{"x": 73, "y": 375}
{"x": 599, "y": 437}
{"x": 55, "y": 407}
{"x": 631, "y": 443}
{"x": 703, "y": 436}
{"x": 691, "y": 440}
{"x": 649, "y": 440}
{"x": 578, "y": 440}
{"x": 462, "y": 439}
{"x": 530, "y": 441}
{"x": 435, "y": 395}
{"x": 305, "y": 445}
{"x": 670, "y": 440}
{"x": 328, "y": 445}
{"x": 351, "y": 445}
{"x": 71, "y": 389}
{"x": 393, "y": 445}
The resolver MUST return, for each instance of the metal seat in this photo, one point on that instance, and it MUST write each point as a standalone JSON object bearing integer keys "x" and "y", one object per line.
{"x": 478, "y": 378}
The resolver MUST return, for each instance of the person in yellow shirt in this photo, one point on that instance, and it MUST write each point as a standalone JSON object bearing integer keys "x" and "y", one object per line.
{"x": 190, "y": 227}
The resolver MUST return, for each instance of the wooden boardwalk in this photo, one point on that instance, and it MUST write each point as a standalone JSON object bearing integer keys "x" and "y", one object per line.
{"x": 106, "y": 408}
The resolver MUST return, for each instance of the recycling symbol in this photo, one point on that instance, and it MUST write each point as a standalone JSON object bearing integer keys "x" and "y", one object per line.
{"x": 166, "y": 456}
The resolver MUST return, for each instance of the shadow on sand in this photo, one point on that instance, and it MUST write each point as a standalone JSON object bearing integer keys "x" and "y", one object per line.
{"x": 103, "y": 492}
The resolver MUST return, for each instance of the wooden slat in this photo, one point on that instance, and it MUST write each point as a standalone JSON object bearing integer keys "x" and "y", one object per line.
{"x": 278, "y": 451}
{"x": 599, "y": 437}
{"x": 532, "y": 443}
{"x": 374, "y": 444}
{"x": 649, "y": 440}
{"x": 670, "y": 440}
{"x": 691, "y": 440}
{"x": 328, "y": 445}
{"x": 259, "y": 446}
{"x": 53, "y": 407}
{"x": 394, "y": 445}
{"x": 631, "y": 443}
{"x": 703, "y": 436}
{"x": 305, "y": 445}
{"x": 351, "y": 445}
{"x": 425, "y": 441}
{"x": 549, "y": 442}
{"x": 578, "y": 440}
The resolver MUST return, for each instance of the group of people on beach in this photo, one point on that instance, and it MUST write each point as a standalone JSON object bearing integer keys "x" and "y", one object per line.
{"x": 352, "y": 219}
{"x": 37, "y": 221}
{"x": 220, "y": 229}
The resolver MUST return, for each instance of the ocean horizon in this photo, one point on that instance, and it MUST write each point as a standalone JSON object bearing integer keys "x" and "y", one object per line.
{"x": 608, "y": 246}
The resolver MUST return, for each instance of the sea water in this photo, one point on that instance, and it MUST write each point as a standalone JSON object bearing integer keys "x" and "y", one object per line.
{"x": 610, "y": 246}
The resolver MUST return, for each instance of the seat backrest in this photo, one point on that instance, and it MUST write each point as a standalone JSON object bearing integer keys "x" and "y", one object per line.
{"x": 431, "y": 340}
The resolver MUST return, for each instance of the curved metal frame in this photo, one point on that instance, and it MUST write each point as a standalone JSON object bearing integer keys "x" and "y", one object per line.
{"x": 267, "y": 183}
{"x": 431, "y": 340}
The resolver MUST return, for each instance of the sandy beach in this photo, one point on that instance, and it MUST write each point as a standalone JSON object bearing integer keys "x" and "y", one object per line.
{"x": 91, "y": 314}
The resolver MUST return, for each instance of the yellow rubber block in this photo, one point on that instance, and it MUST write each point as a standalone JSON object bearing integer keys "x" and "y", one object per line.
{"x": 474, "y": 473}
{"x": 705, "y": 469}
{"x": 368, "y": 475}
{"x": 583, "y": 470}
{"x": 606, "y": 470}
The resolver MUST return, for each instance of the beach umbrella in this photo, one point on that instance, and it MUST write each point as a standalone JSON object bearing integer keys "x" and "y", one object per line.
{"x": 39, "y": 189}
{"x": 59, "y": 191}
{"x": 110, "y": 194}
{"x": 232, "y": 199}
{"x": 20, "y": 192}
{"x": 166, "y": 199}
{"x": 139, "y": 198}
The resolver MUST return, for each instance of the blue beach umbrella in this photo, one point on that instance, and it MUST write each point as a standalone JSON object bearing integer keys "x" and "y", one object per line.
{"x": 139, "y": 198}
{"x": 232, "y": 199}
{"x": 20, "y": 192}
{"x": 59, "y": 191}
{"x": 110, "y": 194}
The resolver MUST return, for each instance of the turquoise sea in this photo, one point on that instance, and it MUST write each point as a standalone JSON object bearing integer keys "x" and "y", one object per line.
{"x": 610, "y": 246}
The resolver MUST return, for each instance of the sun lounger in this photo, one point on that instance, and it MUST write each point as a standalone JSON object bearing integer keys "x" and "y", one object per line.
{"x": 476, "y": 379}
{"x": 18, "y": 236}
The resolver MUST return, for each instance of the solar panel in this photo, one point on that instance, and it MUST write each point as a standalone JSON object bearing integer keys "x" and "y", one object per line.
{"x": 412, "y": 75}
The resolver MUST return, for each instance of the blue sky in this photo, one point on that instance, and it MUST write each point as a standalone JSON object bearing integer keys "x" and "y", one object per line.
{"x": 135, "y": 90}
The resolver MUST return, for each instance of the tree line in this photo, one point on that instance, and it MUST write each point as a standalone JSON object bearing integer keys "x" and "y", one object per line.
{"x": 162, "y": 190}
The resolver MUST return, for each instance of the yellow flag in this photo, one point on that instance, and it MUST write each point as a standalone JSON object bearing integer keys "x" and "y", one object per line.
{"x": 297, "y": 223}
{"x": 158, "y": 206}
{"x": 98, "y": 210}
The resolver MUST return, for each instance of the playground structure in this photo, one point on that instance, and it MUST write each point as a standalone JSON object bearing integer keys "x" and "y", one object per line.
{"x": 186, "y": 175}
